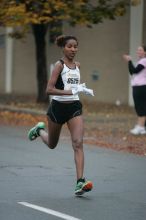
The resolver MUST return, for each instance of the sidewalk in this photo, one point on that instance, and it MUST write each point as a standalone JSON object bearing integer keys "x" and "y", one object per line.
{"x": 106, "y": 125}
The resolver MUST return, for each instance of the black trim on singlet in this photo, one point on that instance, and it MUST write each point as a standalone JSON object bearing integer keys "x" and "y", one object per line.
{"x": 59, "y": 84}
{"x": 61, "y": 61}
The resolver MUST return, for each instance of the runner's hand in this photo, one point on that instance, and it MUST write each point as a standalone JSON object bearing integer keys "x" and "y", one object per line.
{"x": 78, "y": 88}
{"x": 82, "y": 88}
{"x": 88, "y": 91}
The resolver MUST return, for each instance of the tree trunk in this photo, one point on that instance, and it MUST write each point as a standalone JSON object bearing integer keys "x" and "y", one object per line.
{"x": 39, "y": 32}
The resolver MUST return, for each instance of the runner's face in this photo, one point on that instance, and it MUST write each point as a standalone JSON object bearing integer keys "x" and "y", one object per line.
{"x": 71, "y": 49}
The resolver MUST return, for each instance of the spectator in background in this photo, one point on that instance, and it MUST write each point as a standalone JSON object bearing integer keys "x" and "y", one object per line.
{"x": 138, "y": 83}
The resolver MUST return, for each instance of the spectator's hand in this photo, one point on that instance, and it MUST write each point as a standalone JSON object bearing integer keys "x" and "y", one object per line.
{"x": 126, "y": 57}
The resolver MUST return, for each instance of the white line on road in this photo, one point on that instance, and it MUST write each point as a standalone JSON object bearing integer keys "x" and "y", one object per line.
{"x": 48, "y": 211}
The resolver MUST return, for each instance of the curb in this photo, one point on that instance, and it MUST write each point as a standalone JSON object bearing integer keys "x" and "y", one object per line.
{"x": 21, "y": 110}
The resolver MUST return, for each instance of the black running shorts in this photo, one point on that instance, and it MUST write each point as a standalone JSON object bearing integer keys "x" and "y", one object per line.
{"x": 62, "y": 112}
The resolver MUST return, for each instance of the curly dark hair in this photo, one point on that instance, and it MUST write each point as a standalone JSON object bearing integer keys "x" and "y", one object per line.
{"x": 62, "y": 40}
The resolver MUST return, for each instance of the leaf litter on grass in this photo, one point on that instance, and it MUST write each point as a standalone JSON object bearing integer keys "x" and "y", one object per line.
{"x": 106, "y": 125}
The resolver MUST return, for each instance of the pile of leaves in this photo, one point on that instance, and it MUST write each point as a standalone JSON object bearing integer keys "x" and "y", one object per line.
{"x": 106, "y": 125}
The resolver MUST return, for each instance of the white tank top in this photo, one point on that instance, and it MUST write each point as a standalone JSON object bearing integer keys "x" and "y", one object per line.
{"x": 67, "y": 80}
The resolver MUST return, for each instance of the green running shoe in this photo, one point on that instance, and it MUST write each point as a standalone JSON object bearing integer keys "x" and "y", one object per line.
{"x": 82, "y": 187}
{"x": 34, "y": 132}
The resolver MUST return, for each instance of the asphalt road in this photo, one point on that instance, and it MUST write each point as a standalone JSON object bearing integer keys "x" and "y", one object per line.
{"x": 38, "y": 183}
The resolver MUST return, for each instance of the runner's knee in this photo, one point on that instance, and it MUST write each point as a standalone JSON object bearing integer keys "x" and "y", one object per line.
{"x": 52, "y": 145}
{"x": 77, "y": 144}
